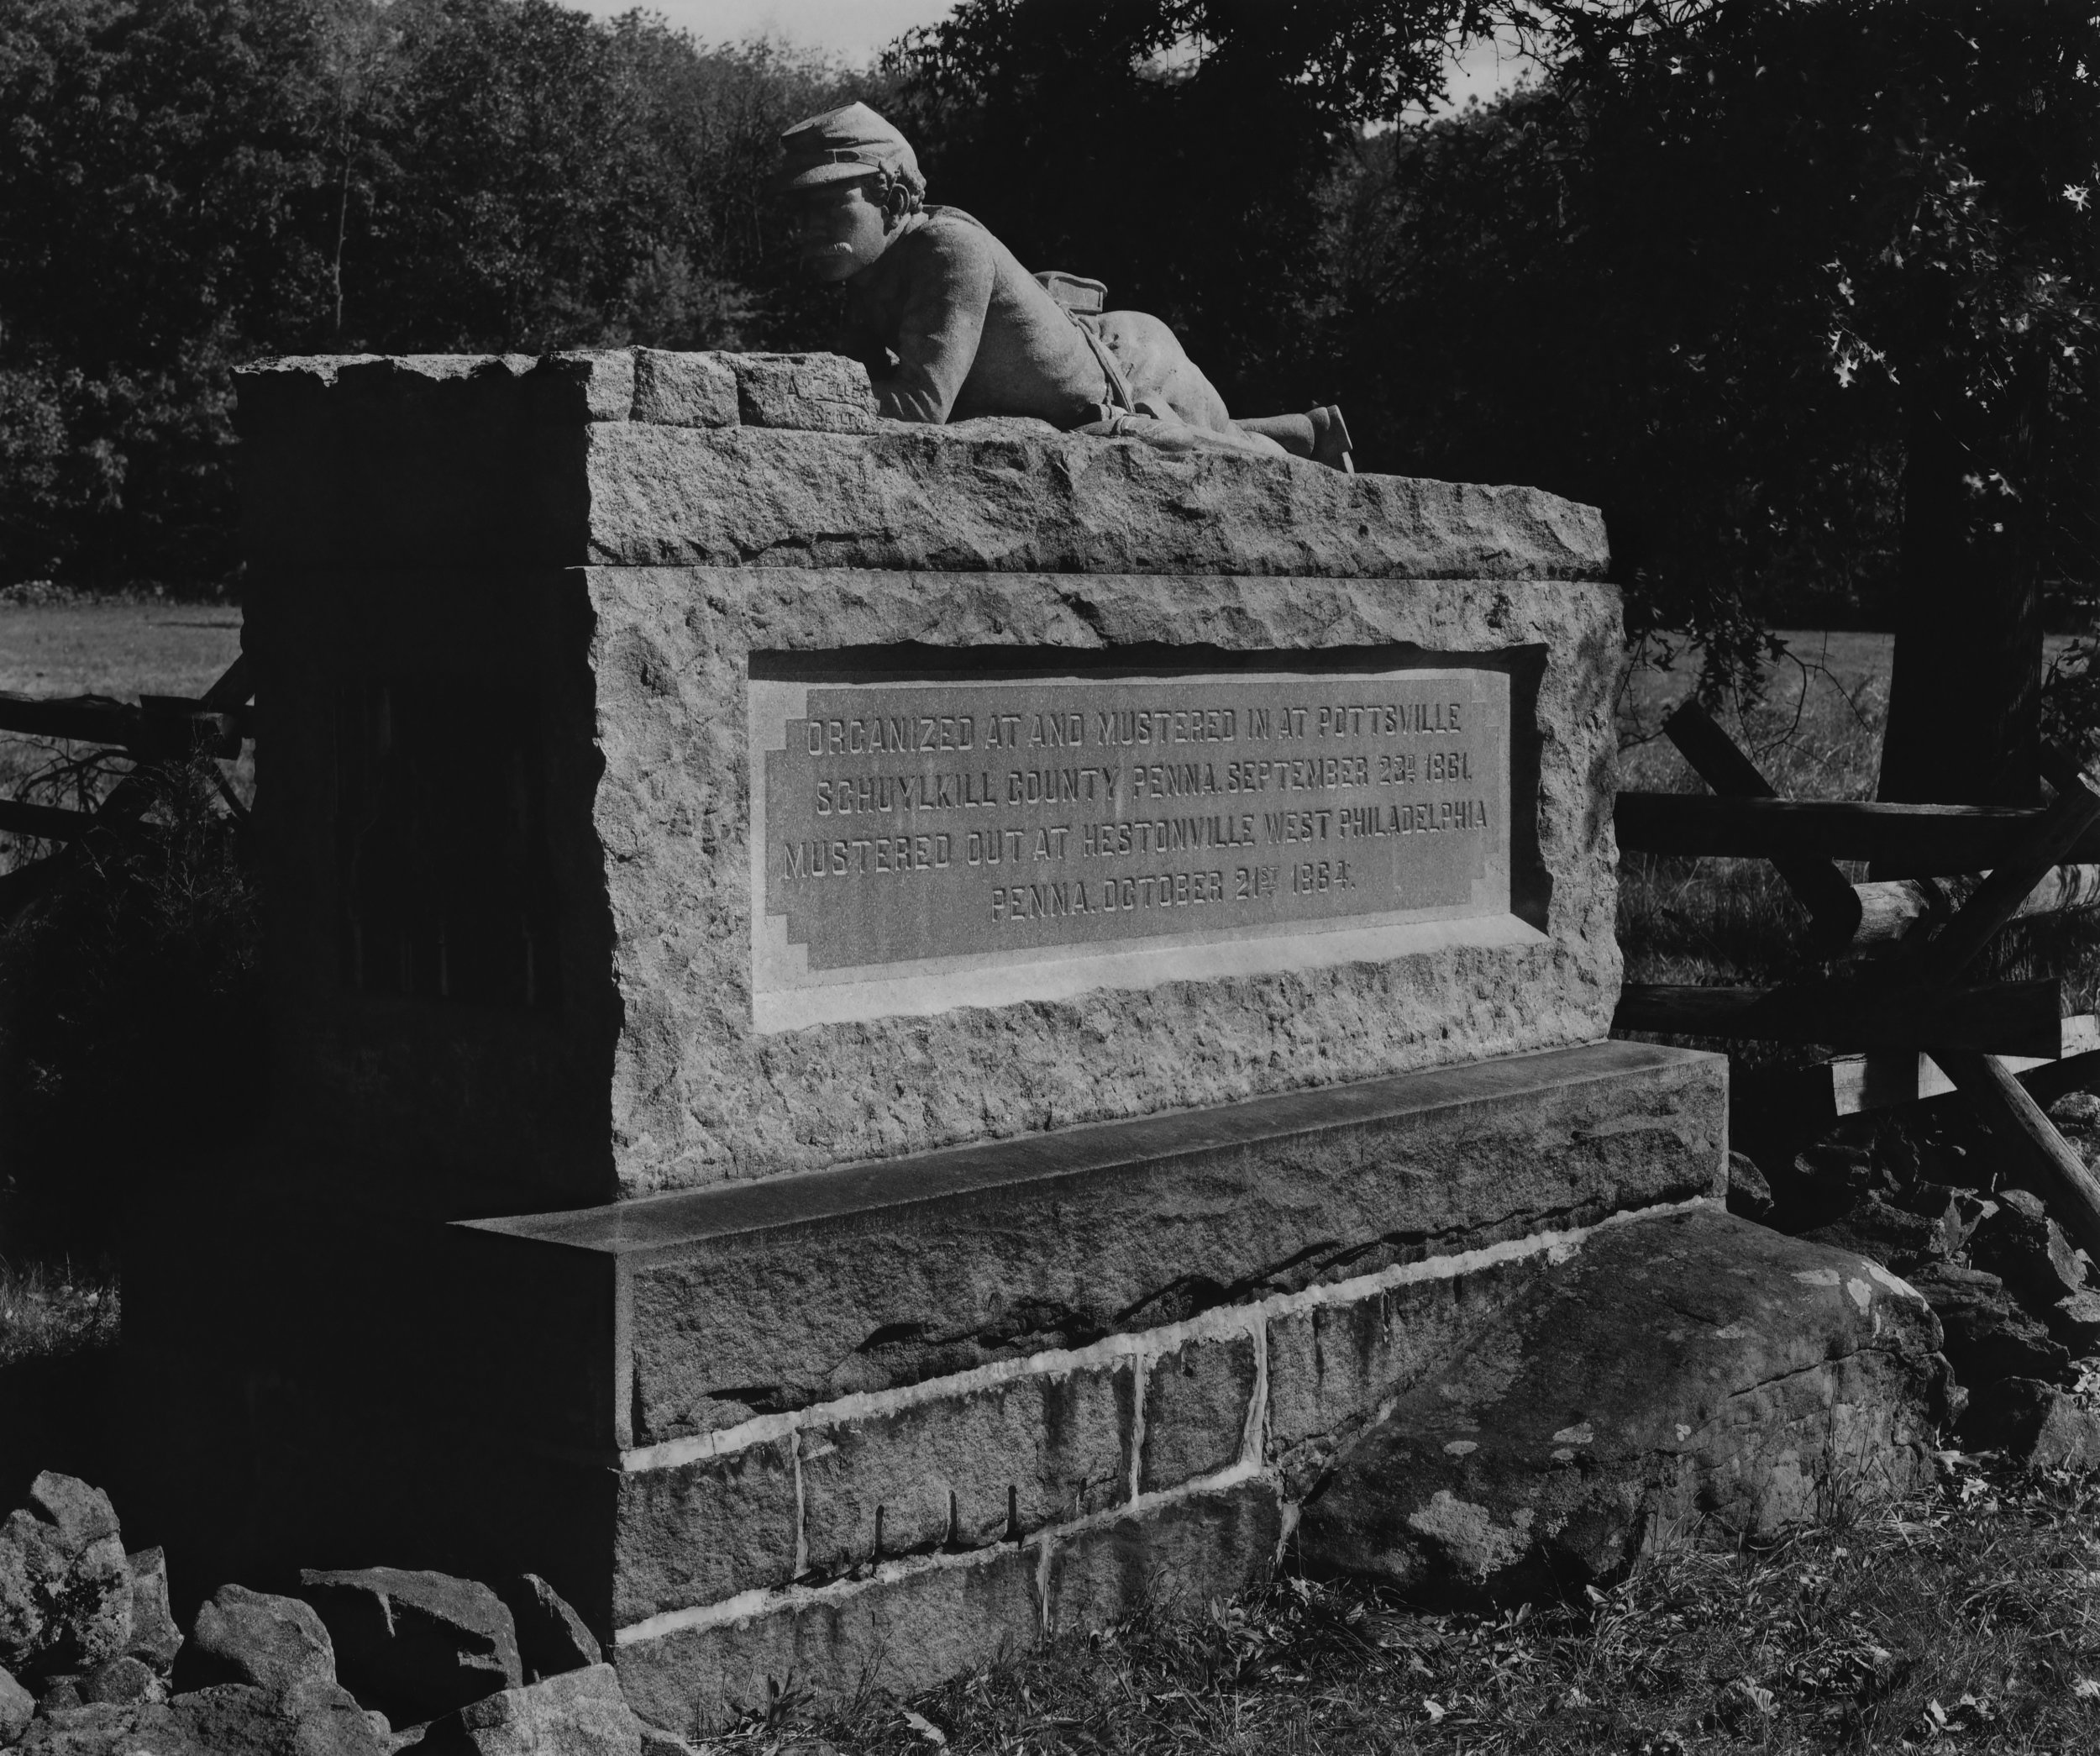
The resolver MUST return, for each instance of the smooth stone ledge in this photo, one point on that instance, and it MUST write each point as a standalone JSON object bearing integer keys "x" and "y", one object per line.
{"x": 668, "y": 1224}
{"x": 758, "y": 1299}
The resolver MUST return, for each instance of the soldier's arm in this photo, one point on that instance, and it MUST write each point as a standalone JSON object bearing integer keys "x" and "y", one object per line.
{"x": 950, "y": 290}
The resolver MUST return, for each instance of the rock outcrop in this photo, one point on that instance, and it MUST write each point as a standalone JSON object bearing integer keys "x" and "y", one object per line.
{"x": 1699, "y": 1366}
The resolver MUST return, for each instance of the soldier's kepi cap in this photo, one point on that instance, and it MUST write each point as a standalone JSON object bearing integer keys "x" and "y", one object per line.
{"x": 841, "y": 143}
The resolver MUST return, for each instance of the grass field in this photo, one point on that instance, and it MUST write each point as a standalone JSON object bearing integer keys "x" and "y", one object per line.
{"x": 123, "y": 650}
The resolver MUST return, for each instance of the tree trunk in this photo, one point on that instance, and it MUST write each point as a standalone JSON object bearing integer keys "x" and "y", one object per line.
{"x": 1965, "y": 701}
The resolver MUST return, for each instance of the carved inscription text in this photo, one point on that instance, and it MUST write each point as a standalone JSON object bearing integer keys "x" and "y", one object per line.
{"x": 904, "y": 823}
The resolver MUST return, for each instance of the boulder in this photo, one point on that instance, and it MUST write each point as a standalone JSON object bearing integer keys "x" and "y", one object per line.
{"x": 155, "y": 1637}
{"x": 254, "y": 1637}
{"x": 234, "y": 1719}
{"x": 551, "y": 1637}
{"x": 577, "y": 1713}
{"x": 1692, "y": 1365}
{"x": 2034, "y": 1423}
{"x": 1986, "y": 1336}
{"x": 122, "y": 1682}
{"x": 65, "y": 1588}
{"x": 417, "y": 1645}
{"x": 17, "y": 1708}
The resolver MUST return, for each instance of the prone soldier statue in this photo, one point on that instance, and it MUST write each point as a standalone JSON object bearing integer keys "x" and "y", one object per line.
{"x": 950, "y": 325}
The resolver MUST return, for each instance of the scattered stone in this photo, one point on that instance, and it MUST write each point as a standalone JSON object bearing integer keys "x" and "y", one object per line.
{"x": 2034, "y": 1423}
{"x": 1986, "y": 1336}
{"x": 551, "y": 1637}
{"x": 1956, "y": 1212}
{"x": 233, "y": 1719}
{"x": 122, "y": 1682}
{"x": 1892, "y": 1236}
{"x": 155, "y": 1637}
{"x": 817, "y": 392}
{"x": 1820, "y": 1185}
{"x": 2075, "y": 1321}
{"x": 62, "y": 1695}
{"x": 418, "y": 1645}
{"x": 254, "y": 1637}
{"x": 577, "y": 1713}
{"x": 1695, "y": 1364}
{"x": 2027, "y": 1250}
{"x": 1748, "y": 1194}
{"x": 65, "y": 1586}
{"x": 2079, "y": 1110}
{"x": 17, "y": 1708}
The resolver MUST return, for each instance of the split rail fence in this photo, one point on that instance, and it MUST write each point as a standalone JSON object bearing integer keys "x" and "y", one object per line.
{"x": 162, "y": 731}
{"x": 1905, "y": 1003}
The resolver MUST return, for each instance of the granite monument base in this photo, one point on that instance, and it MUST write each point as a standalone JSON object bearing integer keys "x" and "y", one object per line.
{"x": 890, "y": 1419}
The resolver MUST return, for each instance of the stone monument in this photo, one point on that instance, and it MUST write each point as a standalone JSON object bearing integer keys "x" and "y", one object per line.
{"x": 884, "y": 1036}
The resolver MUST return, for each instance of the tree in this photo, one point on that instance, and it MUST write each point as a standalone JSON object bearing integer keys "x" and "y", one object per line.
{"x": 1175, "y": 150}
{"x": 1930, "y": 171}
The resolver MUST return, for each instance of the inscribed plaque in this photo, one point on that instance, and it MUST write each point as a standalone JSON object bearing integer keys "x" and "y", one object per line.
{"x": 918, "y": 844}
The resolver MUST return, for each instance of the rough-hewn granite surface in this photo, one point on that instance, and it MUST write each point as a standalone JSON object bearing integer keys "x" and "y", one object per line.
{"x": 649, "y": 1075}
{"x": 759, "y": 1298}
{"x": 636, "y": 458}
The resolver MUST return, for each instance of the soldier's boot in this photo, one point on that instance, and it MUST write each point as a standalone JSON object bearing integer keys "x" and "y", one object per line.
{"x": 1321, "y": 435}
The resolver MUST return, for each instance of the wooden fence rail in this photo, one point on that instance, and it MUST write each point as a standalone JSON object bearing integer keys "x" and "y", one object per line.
{"x": 1913, "y": 1006}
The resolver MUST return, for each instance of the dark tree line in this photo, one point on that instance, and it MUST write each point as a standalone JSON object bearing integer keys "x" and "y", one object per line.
{"x": 1801, "y": 292}
{"x": 188, "y": 184}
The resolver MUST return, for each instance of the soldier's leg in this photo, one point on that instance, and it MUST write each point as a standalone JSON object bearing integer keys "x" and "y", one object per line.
{"x": 1321, "y": 435}
{"x": 1152, "y": 361}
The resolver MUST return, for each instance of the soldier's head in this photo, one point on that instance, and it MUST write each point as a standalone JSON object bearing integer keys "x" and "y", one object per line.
{"x": 853, "y": 181}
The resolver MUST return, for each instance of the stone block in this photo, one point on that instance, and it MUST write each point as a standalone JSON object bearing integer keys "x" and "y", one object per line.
{"x": 698, "y": 1532}
{"x": 969, "y": 1470}
{"x": 597, "y": 385}
{"x": 1199, "y": 1399}
{"x": 356, "y": 462}
{"x": 814, "y": 392}
{"x": 651, "y": 1076}
{"x": 904, "y": 1630}
{"x": 684, "y": 390}
{"x": 1330, "y": 1367}
{"x": 1180, "y": 1556}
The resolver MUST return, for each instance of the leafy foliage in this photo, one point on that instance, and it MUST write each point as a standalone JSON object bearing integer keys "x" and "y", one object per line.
{"x": 187, "y": 184}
